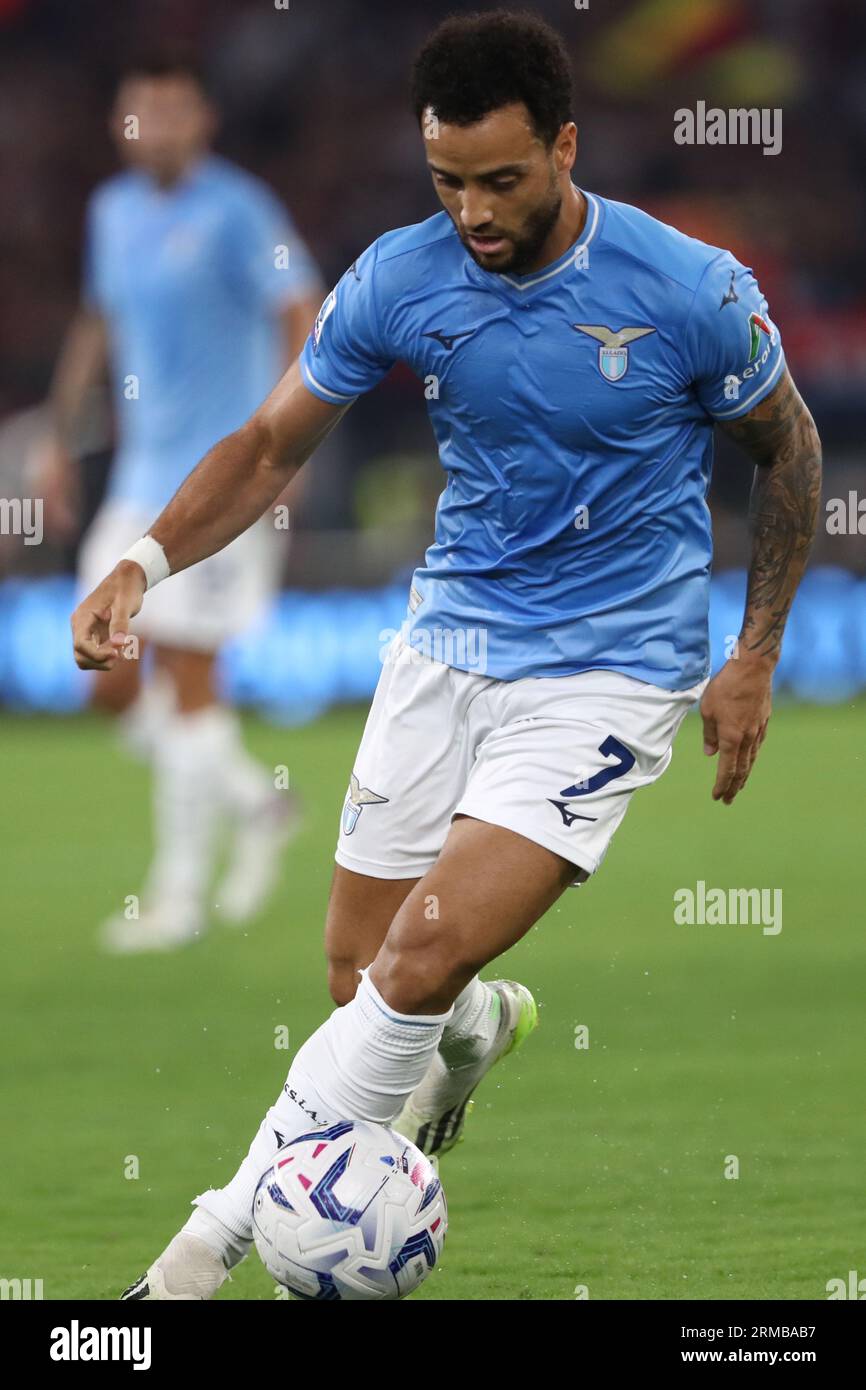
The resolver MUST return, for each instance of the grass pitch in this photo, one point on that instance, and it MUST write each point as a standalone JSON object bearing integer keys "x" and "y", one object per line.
{"x": 599, "y": 1167}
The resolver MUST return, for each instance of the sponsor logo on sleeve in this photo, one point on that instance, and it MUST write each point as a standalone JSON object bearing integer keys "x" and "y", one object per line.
{"x": 322, "y": 317}
{"x": 757, "y": 326}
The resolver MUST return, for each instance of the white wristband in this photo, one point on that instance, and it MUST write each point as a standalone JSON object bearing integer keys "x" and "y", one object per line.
{"x": 150, "y": 555}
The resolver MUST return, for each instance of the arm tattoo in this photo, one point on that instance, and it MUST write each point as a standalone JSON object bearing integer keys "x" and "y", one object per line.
{"x": 780, "y": 436}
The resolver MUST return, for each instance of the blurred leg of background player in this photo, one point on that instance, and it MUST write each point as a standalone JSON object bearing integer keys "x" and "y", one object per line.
{"x": 172, "y": 715}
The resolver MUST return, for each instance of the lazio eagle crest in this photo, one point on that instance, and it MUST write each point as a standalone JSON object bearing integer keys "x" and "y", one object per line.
{"x": 613, "y": 353}
{"x": 356, "y": 799}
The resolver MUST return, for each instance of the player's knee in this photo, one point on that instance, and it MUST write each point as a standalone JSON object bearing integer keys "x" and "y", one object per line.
{"x": 343, "y": 979}
{"x": 192, "y": 675}
{"x": 424, "y": 978}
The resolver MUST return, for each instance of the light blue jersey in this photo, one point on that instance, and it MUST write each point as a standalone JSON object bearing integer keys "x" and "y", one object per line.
{"x": 573, "y": 409}
{"x": 191, "y": 281}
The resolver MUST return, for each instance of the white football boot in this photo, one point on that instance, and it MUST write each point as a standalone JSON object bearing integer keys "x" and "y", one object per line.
{"x": 256, "y": 857}
{"x": 187, "y": 1269}
{"x": 435, "y": 1113}
{"x": 158, "y": 928}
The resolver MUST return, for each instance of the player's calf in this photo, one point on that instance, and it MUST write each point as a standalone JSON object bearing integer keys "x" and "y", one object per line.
{"x": 361, "y": 908}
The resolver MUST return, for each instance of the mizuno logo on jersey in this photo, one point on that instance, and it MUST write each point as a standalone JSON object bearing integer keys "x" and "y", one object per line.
{"x": 448, "y": 339}
{"x": 613, "y": 353}
{"x": 730, "y": 296}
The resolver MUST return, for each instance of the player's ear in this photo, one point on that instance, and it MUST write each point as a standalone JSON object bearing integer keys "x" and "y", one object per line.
{"x": 565, "y": 147}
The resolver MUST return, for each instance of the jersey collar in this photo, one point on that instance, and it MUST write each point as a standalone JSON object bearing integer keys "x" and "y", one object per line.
{"x": 574, "y": 257}
{"x": 196, "y": 173}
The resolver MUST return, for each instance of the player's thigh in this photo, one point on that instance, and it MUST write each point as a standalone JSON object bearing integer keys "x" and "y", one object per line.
{"x": 192, "y": 673}
{"x": 360, "y": 911}
{"x": 410, "y": 769}
{"x": 486, "y": 889}
{"x": 568, "y": 756}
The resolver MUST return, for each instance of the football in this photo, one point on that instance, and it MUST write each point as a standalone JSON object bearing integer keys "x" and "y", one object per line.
{"x": 350, "y": 1212}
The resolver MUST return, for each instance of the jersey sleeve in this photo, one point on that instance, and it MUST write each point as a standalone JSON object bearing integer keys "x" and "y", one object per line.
{"x": 92, "y": 289}
{"x": 733, "y": 348}
{"x": 271, "y": 260}
{"x": 344, "y": 355}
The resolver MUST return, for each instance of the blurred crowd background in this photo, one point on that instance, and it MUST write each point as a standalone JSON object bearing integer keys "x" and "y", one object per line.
{"x": 313, "y": 98}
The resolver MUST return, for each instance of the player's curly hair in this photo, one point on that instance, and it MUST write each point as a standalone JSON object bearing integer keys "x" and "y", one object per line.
{"x": 473, "y": 64}
{"x": 174, "y": 60}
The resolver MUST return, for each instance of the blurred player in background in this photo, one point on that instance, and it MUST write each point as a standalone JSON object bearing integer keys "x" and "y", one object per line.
{"x": 197, "y": 293}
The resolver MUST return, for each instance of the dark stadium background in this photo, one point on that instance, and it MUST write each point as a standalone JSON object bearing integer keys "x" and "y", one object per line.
{"x": 314, "y": 100}
{"x": 706, "y": 1041}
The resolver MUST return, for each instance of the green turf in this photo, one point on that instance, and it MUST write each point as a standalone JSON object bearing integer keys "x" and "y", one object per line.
{"x": 600, "y": 1167}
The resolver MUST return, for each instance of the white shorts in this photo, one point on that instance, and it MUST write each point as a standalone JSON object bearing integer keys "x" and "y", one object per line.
{"x": 200, "y": 608}
{"x": 554, "y": 759}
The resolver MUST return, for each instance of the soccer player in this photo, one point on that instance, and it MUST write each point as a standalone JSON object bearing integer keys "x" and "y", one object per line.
{"x": 578, "y": 355}
{"x": 197, "y": 291}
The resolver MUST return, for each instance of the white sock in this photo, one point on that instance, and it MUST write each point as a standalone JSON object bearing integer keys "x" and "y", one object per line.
{"x": 231, "y": 1247}
{"x": 361, "y": 1064}
{"x": 245, "y": 786}
{"x": 186, "y": 809}
{"x": 367, "y": 1058}
{"x": 470, "y": 1031}
{"x": 142, "y": 725}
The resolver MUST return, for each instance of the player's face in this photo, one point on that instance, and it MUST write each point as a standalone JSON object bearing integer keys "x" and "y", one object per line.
{"x": 500, "y": 184}
{"x": 162, "y": 124}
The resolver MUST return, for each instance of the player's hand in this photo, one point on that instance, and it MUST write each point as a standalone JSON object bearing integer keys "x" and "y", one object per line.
{"x": 100, "y": 625}
{"x": 736, "y": 710}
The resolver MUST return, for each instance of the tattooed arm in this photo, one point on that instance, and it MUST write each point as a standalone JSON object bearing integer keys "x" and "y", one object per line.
{"x": 780, "y": 436}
